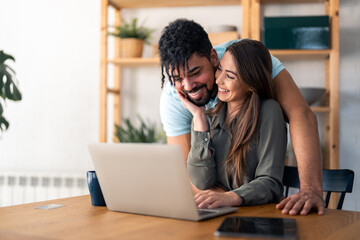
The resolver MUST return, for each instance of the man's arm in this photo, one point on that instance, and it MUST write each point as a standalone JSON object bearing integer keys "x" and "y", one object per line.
{"x": 305, "y": 140}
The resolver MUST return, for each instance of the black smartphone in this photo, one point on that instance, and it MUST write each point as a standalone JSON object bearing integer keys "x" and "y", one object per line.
{"x": 259, "y": 227}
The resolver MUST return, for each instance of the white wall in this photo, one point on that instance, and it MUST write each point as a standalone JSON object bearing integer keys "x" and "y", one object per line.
{"x": 56, "y": 46}
{"x": 350, "y": 95}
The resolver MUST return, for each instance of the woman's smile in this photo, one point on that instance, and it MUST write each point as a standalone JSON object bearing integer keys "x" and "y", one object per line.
{"x": 222, "y": 89}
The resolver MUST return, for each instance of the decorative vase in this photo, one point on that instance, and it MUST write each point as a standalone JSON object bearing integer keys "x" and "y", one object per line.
{"x": 131, "y": 47}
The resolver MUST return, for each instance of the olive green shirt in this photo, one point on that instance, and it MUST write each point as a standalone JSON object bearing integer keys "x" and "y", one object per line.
{"x": 265, "y": 160}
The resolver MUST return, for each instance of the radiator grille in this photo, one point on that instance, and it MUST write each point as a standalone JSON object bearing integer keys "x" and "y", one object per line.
{"x": 20, "y": 188}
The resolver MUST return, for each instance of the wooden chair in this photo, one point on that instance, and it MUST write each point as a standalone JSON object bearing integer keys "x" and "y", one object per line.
{"x": 334, "y": 180}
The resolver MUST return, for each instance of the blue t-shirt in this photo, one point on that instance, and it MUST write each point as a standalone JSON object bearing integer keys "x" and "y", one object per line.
{"x": 176, "y": 119}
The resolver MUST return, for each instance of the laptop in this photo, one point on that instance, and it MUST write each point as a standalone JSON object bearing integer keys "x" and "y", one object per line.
{"x": 149, "y": 179}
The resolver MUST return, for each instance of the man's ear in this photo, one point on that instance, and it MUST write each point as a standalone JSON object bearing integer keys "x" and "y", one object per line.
{"x": 214, "y": 58}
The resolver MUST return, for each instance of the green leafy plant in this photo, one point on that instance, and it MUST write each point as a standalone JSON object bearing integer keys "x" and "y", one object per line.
{"x": 8, "y": 87}
{"x": 146, "y": 133}
{"x": 132, "y": 30}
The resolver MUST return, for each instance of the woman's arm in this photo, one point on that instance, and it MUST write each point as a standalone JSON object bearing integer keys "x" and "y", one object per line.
{"x": 200, "y": 162}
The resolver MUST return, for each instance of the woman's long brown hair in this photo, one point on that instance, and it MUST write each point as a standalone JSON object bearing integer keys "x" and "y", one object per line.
{"x": 253, "y": 63}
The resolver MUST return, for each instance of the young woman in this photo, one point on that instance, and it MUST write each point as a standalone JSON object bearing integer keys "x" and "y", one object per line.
{"x": 238, "y": 149}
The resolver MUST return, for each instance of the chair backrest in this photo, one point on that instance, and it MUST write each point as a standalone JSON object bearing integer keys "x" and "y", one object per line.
{"x": 334, "y": 180}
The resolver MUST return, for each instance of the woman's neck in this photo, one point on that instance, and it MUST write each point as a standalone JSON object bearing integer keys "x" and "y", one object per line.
{"x": 232, "y": 110}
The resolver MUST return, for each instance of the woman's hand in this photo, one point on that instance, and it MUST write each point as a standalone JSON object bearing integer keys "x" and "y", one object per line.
{"x": 200, "y": 123}
{"x": 215, "y": 199}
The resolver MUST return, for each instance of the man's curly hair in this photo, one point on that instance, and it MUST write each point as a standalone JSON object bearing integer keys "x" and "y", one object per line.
{"x": 179, "y": 40}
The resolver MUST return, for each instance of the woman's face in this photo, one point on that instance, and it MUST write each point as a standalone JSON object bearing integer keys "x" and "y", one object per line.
{"x": 231, "y": 88}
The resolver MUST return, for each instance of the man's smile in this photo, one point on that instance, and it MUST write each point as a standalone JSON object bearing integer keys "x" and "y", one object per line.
{"x": 195, "y": 94}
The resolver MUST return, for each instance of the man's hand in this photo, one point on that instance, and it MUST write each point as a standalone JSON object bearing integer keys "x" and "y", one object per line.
{"x": 215, "y": 199}
{"x": 302, "y": 203}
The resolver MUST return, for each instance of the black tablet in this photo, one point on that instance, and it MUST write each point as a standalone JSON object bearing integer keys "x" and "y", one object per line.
{"x": 259, "y": 227}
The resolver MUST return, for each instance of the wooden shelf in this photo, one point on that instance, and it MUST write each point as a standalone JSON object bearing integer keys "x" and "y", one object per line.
{"x": 170, "y": 3}
{"x": 289, "y": 54}
{"x": 134, "y": 62}
{"x": 298, "y": 54}
{"x": 290, "y": 1}
{"x": 320, "y": 109}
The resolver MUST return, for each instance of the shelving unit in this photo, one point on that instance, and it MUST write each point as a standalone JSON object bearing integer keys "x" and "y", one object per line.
{"x": 331, "y": 68}
{"x": 251, "y": 19}
{"x": 120, "y": 63}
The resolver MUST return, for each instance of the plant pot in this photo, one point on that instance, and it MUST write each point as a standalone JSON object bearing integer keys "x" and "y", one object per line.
{"x": 131, "y": 47}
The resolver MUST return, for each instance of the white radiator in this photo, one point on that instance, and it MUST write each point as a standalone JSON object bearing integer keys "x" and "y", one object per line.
{"x": 20, "y": 188}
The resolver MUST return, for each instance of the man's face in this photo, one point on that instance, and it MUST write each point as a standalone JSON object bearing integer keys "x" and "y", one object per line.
{"x": 197, "y": 84}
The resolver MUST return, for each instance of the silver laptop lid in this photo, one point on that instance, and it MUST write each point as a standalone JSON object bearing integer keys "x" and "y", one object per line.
{"x": 142, "y": 178}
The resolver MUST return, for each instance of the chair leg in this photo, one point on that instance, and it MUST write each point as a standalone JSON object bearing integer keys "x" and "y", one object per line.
{"x": 286, "y": 191}
{"x": 327, "y": 199}
{"x": 341, "y": 201}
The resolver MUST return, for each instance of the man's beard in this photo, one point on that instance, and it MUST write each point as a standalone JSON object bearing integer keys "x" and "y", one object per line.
{"x": 209, "y": 93}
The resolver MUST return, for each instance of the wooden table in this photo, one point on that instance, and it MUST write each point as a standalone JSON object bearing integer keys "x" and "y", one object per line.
{"x": 79, "y": 220}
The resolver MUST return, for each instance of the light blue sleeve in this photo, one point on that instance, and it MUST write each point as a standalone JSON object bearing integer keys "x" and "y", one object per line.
{"x": 276, "y": 64}
{"x": 175, "y": 118}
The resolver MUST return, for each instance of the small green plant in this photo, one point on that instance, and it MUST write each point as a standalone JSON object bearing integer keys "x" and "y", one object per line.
{"x": 146, "y": 133}
{"x": 8, "y": 87}
{"x": 132, "y": 30}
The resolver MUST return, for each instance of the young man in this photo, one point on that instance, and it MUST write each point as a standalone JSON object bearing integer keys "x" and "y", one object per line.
{"x": 189, "y": 60}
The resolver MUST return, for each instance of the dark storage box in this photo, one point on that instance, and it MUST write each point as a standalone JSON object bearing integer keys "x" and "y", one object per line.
{"x": 310, "y": 32}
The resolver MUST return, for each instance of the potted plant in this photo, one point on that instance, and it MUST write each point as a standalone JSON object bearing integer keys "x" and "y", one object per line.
{"x": 132, "y": 37}
{"x": 8, "y": 87}
{"x": 146, "y": 132}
